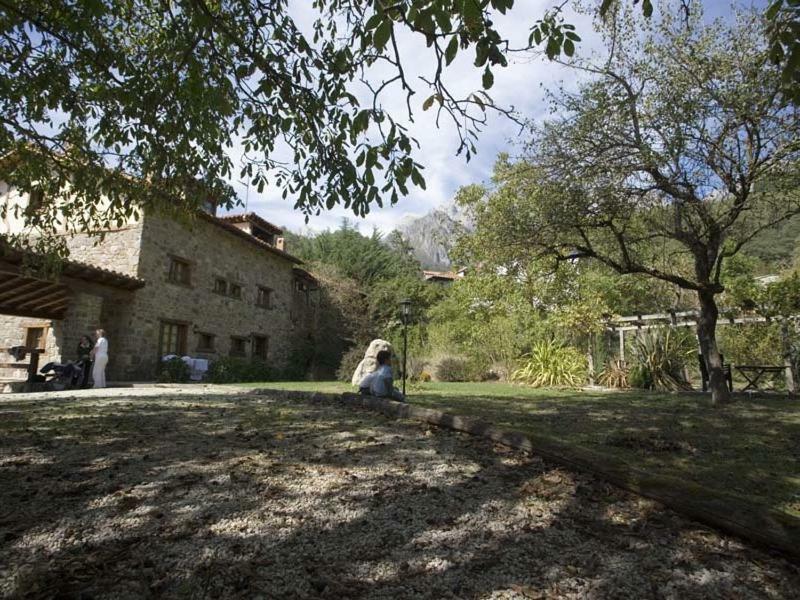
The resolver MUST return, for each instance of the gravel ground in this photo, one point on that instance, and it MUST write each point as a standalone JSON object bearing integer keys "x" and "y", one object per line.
{"x": 139, "y": 495}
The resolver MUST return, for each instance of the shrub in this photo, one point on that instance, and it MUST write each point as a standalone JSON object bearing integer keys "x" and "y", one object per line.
{"x": 230, "y": 369}
{"x": 614, "y": 375}
{"x": 452, "y": 368}
{"x": 551, "y": 364}
{"x": 751, "y": 344}
{"x": 416, "y": 366}
{"x": 349, "y": 362}
{"x": 639, "y": 377}
{"x": 660, "y": 358}
{"x": 424, "y": 376}
{"x": 173, "y": 370}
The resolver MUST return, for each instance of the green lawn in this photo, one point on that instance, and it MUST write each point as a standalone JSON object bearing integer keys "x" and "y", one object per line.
{"x": 750, "y": 448}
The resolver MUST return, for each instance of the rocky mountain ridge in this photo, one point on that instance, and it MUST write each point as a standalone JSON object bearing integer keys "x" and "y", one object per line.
{"x": 433, "y": 235}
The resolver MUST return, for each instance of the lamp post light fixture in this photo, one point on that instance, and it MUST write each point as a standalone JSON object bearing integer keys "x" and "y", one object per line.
{"x": 405, "y": 306}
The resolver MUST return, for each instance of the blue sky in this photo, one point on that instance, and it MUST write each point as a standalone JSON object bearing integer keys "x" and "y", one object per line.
{"x": 522, "y": 84}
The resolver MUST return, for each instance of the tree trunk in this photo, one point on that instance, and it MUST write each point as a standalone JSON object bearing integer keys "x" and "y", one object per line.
{"x": 707, "y": 334}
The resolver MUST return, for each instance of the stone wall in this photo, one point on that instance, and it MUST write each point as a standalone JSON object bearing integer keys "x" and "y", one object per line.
{"x": 92, "y": 306}
{"x": 212, "y": 253}
{"x": 133, "y": 319}
{"x": 13, "y": 331}
{"x": 117, "y": 250}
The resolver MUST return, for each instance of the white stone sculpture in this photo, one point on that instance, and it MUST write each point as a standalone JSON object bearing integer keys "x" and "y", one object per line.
{"x": 369, "y": 363}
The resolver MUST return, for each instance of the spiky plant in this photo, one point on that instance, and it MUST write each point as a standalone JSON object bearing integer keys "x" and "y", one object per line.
{"x": 551, "y": 364}
{"x": 660, "y": 356}
{"x": 614, "y": 375}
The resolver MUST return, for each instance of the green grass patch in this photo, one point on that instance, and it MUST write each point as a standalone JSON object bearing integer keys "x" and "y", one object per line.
{"x": 750, "y": 448}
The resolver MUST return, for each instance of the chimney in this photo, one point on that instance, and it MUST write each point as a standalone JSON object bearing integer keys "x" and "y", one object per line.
{"x": 280, "y": 244}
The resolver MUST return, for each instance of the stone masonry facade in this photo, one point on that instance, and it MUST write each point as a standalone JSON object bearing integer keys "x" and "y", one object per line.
{"x": 264, "y": 305}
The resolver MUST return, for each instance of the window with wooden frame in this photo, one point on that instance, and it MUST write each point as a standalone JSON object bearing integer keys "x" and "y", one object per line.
{"x": 205, "y": 342}
{"x": 180, "y": 271}
{"x": 238, "y": 346}
{"x": 260, "y": 346}
{"x": 264, "y": 297}
{"x": 220, "y": 286}
{"x": 235, "y": 291}
{"x": 35, "y": 337}
{"x": 172, "y": 338}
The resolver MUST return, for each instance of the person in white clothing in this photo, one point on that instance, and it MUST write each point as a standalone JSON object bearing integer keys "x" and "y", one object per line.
{"x": 100, "y": 357}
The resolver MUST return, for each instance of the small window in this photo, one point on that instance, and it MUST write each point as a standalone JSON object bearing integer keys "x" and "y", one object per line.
{"x": 220, "y": 286}
{"x": 264, "y": 298}
{"x": 35, "y": 338}
{"x": 235, "y": 291}
{"x": 172, "y": 339}
{"x": 238, "y": 346}
{"x": 205, "y": 342}
{"x": 260, "y": 346}
{"x": 179, "y": 271}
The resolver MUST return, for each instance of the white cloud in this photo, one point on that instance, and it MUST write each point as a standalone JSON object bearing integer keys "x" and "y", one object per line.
{"x": 522, "y": 84}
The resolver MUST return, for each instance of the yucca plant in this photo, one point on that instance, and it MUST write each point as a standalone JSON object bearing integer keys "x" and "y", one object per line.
{"x": 551, "y": 364}
{"x": 614, "y": 375}
{"x": 660, "y": 357}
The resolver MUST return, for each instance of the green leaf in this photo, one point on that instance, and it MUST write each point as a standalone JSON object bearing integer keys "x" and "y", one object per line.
{"x": 488, "y": 79}
{"x": 553, "y": 48}
{"x": 429, "y": 102}
{"x": 374, "y": 21}
{"x": 452, "y": 50}
{"x": 361, "y": 122}
{"x": 417, "y": 179}
{"x": 569, "y": 47}
{"x": 382, "y": 35}
{"x": 472, "y": 14}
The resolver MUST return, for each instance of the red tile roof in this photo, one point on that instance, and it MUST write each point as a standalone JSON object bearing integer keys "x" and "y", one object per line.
{"x": 252, "y": 218}
{"x": 226, "y": 224}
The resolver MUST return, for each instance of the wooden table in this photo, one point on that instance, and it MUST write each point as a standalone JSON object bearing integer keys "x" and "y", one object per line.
{"x": 752, "y": 373}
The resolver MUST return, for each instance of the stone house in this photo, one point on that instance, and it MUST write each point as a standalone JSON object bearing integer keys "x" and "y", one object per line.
{"x": 211, "y": 287}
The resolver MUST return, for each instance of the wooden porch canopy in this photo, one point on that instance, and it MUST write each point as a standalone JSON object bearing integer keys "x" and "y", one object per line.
{"x": 24, "y": 295}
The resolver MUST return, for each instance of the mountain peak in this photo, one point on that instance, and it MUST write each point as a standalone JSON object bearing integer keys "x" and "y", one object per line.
{"x": 433, "y": 235}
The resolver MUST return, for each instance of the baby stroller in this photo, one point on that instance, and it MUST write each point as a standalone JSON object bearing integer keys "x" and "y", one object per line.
{"x": 64, "y": 376}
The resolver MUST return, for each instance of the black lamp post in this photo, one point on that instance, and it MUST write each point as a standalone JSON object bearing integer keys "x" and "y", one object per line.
{"x": 405, "y": 305}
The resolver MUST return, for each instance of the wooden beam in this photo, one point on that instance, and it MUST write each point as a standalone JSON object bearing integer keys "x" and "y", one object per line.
{"x": 11, "y": 283}
{"x": 13, "y": 271}
{"x": 24, "y": 287}
{"x": 55, "y": 301}
{"x": 43, "y": 301}
{"x": 43, "y": 291}
{"x": 14, "y": 311}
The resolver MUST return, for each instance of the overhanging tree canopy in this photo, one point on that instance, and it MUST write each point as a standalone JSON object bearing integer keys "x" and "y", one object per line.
{"x": 139, "y": 100}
